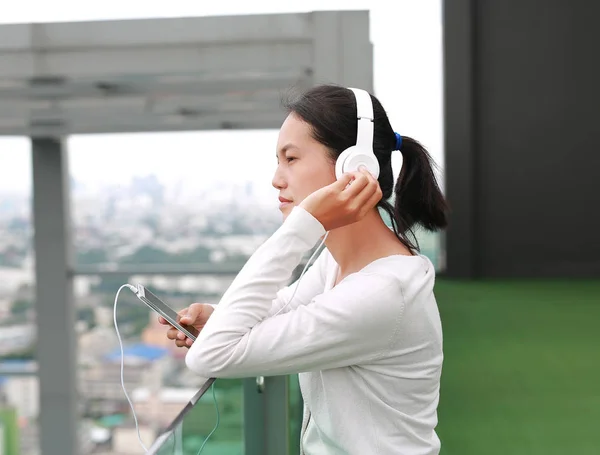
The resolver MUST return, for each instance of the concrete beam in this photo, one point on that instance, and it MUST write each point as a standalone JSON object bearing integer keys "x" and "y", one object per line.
{"x": 158, "y": 60}
{"x": 156, "y": 32}
{"x": 140, "y": 75}
{"x": 124, "y": 124}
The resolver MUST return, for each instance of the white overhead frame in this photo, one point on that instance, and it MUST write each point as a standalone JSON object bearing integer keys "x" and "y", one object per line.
{"x": 178, "y": 74}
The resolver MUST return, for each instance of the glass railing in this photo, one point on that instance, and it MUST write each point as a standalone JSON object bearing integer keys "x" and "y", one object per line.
{"x": 205, "y": 430}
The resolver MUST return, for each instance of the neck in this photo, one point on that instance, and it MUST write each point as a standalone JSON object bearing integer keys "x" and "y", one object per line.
{"x": 356, "y": 245}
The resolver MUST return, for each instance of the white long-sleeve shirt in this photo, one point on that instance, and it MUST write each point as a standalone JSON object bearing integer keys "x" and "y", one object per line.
{"x": 368, "y": 350}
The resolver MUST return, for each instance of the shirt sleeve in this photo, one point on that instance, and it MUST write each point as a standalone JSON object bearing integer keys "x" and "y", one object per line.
{"x": 301, "y": 291}
{"x": 304, "y": 289}
{"x": 353, "y": 323}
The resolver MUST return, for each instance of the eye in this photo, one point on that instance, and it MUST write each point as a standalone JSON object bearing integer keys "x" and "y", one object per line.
{"x": 290, "y": 158}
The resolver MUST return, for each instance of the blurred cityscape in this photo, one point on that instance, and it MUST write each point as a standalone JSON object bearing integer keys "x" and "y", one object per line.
{"x": 142, "y": 223}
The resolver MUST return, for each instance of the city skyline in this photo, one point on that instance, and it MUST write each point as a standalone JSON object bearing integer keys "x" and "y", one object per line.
{"x": 98, "y": 162}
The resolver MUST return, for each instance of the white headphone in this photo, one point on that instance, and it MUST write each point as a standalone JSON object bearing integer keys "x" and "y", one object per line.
{"x": 362, "y": 153}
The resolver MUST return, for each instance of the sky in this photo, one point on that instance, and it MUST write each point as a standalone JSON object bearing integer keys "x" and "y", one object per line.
{"x": 407, "y": 39}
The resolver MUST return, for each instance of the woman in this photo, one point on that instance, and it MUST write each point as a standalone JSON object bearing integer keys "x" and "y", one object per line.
{"x": 363, "y": 328}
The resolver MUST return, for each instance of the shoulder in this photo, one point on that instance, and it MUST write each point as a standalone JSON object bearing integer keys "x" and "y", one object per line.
{"x": 387, "y": 284}
{"x": 382, "y": 287}
{"x": 407, "y": 271}
{"x": 370, "y": 299}
{"x": 370, "y": 282}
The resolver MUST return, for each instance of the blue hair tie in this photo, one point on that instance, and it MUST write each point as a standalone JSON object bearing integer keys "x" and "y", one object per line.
{"x": 398, "y": 142}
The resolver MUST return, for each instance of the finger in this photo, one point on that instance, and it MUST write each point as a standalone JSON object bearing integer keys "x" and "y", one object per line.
{"x": 371, "y": 202}
{"x": 364, "y": 171}
{"x": 342, "y": 182}
{"x": 372, "y": 184}
{"x": 358, "y": 184}
{"x": 182, "y": 313}
{"x": 362, "y": 168}
{"x": 189, "y": 342}
{"x": 193, "y": 314}
{"x": 162, "y": 320}
{"x": 179, "y": 343}
{"x": 371, "y": 191}
{"x": 174, "y": 334}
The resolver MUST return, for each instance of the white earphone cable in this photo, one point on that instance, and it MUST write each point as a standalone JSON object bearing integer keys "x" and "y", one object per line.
{"x": 137, "y": 426}
{"x": 218, "y": 420}
{"x": 302, "y": 274}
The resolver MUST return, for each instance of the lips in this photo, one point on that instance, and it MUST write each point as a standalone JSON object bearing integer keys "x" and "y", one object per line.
{"x": 284, "y": 203}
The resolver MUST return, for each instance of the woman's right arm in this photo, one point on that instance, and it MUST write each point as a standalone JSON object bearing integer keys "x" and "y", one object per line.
{"x": 311, "y": 285}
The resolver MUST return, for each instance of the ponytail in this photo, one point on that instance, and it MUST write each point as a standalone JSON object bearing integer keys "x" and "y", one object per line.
{"x": 418, "y": 200}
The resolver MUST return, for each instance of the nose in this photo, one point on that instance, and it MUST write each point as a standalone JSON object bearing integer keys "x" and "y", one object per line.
{"x": 278, "y": 181}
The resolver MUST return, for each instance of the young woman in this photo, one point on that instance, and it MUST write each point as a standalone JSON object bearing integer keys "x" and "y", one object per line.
{"x": 362, "y": 329}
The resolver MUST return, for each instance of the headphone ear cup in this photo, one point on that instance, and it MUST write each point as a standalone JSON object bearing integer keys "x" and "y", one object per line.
{"x": 351, "y": 159}
{"x": 339, "y": 164}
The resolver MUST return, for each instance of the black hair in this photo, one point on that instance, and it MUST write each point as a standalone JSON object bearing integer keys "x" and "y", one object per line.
{"x": 330, "y": 110}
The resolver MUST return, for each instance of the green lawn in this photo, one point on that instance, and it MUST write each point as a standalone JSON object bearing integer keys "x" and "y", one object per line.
{"x": 522, "y": 368}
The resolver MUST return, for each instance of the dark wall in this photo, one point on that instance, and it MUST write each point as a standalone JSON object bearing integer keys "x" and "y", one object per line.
{"x": 522, "y": 120}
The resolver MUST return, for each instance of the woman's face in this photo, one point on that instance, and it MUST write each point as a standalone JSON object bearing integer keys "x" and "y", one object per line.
{"x": 303, "y": 164}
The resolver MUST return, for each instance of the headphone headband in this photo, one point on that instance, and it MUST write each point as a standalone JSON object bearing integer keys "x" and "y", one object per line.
{"x": 361, "y": 154}
{"x": 366, "y": 119}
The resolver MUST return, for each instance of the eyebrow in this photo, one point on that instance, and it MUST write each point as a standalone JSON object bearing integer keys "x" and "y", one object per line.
{"x": 285, "y": 148}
